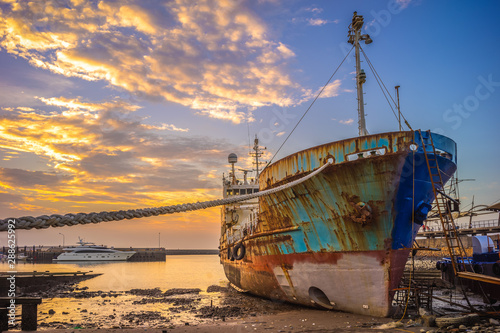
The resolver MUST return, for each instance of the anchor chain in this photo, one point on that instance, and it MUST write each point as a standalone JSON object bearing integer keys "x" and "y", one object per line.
{"x": 56, "y": 220}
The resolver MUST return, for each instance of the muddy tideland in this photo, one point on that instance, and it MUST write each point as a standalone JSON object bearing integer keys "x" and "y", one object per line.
{"x": 219, "y": 308}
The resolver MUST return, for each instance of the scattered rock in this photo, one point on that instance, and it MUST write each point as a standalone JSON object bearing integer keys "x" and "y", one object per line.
{"x": 180, "y": 291}
{"x": 145, "y": 292}
{"x": 428, "y": 320}
{"x": 215, "y": 289}
{"x": 454, "y": 320}
{"x": 141, "y": 317}
{"x": 394, "y": 324}
{"x": 219, "y": 312}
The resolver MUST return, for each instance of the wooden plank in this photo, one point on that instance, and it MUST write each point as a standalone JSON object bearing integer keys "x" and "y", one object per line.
{"x": 479, "y": 277}
{"x": 4, "y": 301}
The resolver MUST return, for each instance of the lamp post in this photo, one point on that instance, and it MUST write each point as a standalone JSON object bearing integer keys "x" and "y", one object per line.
{"x": 63, "y": 237}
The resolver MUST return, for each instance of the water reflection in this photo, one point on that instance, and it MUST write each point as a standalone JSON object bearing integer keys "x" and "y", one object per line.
{"x": 189, "y": 271}
{"x": 196, "y": 271}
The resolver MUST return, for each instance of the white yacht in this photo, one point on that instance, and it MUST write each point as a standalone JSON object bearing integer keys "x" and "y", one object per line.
{"x": 87, "y": 251}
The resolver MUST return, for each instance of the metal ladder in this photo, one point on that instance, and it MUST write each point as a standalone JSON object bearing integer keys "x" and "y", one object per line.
{"x": 456, "y": 250}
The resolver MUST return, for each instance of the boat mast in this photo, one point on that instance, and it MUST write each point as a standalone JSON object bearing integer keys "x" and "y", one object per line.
{"x": 399, "y": 108}
{"x": 354, "y": 38}
{"x": 257, "y": 152}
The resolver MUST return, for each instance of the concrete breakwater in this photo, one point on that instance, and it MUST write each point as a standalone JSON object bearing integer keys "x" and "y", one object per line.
{"x": 47, "y": 254}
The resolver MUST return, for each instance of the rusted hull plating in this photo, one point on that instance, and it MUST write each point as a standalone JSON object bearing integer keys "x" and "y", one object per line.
{"x": 340, "y": 240}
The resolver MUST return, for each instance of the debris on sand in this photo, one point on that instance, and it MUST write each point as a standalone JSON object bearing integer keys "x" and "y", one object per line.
{"x": 180, "y": 291}
{"x": 216, "y": 289}
{"x": 219, "y": 312}
{"x": 145, "y": 292}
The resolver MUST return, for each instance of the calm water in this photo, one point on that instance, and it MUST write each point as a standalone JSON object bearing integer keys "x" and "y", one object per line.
{"x": 193, "y": 271}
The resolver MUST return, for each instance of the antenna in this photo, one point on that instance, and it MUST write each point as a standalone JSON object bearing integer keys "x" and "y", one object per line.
{"x": 245, "y": 182}
{"x": 354, "y": 38}
{"x": 257, "y": 152}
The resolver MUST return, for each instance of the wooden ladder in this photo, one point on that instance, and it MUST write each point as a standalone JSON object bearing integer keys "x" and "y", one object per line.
{"x": 456, "y": 249}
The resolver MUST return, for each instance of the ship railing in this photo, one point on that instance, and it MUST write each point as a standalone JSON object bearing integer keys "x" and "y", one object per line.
{"x": 246, "y": 228}
{"x": 366, "y": 153}
{"x": 464, "y": 225}
{"x": 485, "y": 223}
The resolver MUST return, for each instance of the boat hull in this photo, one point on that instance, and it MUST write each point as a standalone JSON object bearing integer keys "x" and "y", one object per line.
{"x": 115, "y": 256}
{"x": 357, "y": 282}
{"x": 339, "y": 240}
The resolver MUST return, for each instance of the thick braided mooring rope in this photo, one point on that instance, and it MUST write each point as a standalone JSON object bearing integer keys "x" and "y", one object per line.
{"x": 55, "y": 220}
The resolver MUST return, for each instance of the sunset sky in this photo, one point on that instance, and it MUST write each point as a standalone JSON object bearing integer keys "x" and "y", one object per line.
{"x": 108, "y": 105}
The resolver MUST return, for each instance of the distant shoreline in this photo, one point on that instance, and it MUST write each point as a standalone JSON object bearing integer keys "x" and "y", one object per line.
{"x": 190, "y": 252}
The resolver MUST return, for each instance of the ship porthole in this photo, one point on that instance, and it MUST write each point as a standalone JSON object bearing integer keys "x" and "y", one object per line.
{"x": 319, "y": 297}
{"x": 413, "y": 146}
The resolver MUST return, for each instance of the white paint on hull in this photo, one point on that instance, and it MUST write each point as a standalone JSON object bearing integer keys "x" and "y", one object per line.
{"x": 115, "y": 256}
{"x": 357, "y": 283}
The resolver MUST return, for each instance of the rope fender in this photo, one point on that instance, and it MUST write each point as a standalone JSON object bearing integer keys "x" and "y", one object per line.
{"x": 56, "y": 220}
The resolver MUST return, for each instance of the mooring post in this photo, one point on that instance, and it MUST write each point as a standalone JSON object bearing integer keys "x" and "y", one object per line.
{"x": 4, "y": 323}
{"x": 29, "y": 317}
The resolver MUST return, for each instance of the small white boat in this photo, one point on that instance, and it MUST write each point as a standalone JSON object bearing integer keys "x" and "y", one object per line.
{"x": 87, "y": 251}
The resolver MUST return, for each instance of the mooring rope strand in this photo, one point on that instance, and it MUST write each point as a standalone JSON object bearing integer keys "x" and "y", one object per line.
{"x": 56, "y": 220}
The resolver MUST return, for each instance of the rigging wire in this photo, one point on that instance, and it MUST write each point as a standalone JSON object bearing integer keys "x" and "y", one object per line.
{"x": 317, "y": 96}
{"x": 381, "y": 83}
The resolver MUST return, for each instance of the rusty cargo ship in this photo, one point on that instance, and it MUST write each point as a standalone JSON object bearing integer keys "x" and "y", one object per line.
{"x": 338, "y": 240}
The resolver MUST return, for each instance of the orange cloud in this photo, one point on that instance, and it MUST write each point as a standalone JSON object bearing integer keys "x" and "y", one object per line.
{"x": 98, "y": 158}
{"x": 213, "y": 56}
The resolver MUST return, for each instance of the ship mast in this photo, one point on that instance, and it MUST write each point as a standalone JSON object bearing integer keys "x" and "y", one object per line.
{"x": 257, "y": 152}
{"x": 354, "y": 38}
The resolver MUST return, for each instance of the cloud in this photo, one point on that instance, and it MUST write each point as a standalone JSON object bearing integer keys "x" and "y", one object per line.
{"x": 315, "y": 10}
{"x": 99, "y": 154}
{"x": 207, "y": 55}
{"x": 403, "y": 3}
{"x": 347, "y": 122}
{"x": 332, "y": 89}
{"x": 25, "y": 178}
{"x": 317, "y": 21}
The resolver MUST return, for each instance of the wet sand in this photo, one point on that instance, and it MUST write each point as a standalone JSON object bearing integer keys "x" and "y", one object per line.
{"x": 298, "y": 320}
{"x": 219, "y": 308}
